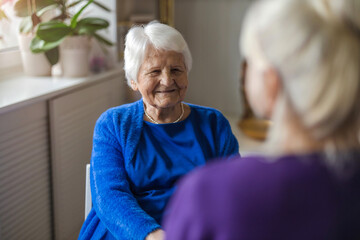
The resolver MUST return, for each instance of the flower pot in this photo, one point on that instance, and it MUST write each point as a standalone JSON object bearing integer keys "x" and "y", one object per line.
{"x": 74, "y": 56}
{"x": 33, "y": 64}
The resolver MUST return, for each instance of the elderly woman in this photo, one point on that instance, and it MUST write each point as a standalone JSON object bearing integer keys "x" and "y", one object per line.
{"x": 303, "y": 73}
{"x": 141, "y": 149}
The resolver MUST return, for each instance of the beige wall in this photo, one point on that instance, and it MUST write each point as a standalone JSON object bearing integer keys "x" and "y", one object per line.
{"x": 211, "y": 28}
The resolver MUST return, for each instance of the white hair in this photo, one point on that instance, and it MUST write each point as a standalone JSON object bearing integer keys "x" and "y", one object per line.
{"x": 315, "y": 47}
{"x": 160, "y": 36}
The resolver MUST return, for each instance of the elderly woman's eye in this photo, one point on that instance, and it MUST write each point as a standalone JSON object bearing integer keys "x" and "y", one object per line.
{"x": 176, "y": 70}
{"x": 154, "y": 72}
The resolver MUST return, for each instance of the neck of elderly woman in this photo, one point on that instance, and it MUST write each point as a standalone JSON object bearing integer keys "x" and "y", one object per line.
{"x": 162, "y": 115}
{"x": 289, "y": 135}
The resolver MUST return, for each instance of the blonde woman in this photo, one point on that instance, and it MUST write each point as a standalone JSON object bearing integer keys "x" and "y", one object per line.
{"x": 304, "y": 74}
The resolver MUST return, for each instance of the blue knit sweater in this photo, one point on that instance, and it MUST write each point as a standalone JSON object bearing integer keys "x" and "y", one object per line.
{"x": 117, "y": 213}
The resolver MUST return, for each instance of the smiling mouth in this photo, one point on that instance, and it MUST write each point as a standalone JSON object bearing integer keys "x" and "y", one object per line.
{"x": 166, "y": 91}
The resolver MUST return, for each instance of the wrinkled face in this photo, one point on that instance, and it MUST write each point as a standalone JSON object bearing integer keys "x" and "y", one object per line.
{"x": 162, "y": 78}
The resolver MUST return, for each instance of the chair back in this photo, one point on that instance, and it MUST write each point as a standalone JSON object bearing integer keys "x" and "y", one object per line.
{"x": 88, "y": 202}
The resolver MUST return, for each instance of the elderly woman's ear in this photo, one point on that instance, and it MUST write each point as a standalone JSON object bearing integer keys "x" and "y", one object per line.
{"x": 133, "y": 85}
{"x": 273, "y": 87}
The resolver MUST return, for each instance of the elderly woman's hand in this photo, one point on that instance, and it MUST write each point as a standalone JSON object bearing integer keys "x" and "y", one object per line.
{"x": 158, "y": 234}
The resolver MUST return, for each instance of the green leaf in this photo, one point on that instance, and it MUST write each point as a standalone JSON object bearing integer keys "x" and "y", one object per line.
{"x": 74, "y": 4}
{"x": 53, "y": 56}
{"x": 76, "y": 16}
{"x": 102, "y": 6}
{"x": 25, "y": 25}
{"x": 95, "y": 2}
{"x": 53, "y": 31}
{"x": 89, "y": 25}
{"x": 21, "y": 8}
{"x": 38, "y": 45}
{"x": 103, "y": 40}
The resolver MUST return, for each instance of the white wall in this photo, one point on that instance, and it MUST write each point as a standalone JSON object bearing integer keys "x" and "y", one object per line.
{"x": 211, "y": 29}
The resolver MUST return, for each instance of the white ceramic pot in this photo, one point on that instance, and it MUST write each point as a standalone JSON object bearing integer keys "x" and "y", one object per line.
{"x": 33, "y": 64}
{"x": 74, "y": 56}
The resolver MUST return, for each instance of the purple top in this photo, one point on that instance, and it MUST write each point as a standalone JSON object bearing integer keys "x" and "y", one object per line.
{"x": 292, "y": 197}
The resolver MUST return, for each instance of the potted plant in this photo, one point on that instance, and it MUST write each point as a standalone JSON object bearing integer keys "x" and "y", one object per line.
{"x": 32, "y": 13}
{"x": 69, "y": 40}
{"x": 3, "y": 17}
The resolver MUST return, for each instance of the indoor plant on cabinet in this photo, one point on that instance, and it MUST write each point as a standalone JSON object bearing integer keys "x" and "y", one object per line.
{"x": 69, "y": 39}
{"x": 31, "y": 14}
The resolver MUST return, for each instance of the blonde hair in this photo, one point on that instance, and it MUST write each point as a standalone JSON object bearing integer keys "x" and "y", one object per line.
{"x": 315, "y": 47}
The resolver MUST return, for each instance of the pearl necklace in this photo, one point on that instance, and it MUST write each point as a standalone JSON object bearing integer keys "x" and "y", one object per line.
{"x": 151, "y": 119}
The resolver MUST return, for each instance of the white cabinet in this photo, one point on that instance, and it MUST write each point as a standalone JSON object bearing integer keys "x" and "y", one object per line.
{"x": 25, "y": 196}
{"x": 44, "y": 148}
{"x": 72, "y": 120}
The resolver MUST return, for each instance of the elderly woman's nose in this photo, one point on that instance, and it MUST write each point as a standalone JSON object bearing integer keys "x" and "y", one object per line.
{"x": 166, "y": 78}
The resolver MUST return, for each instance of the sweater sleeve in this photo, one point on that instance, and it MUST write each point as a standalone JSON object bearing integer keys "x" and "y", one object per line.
{"x": 228, "y": 145}
{"x": 113, "y": 200}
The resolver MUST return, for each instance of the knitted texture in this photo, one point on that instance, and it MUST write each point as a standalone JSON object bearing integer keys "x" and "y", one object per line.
{"x": 116, "y": 213}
